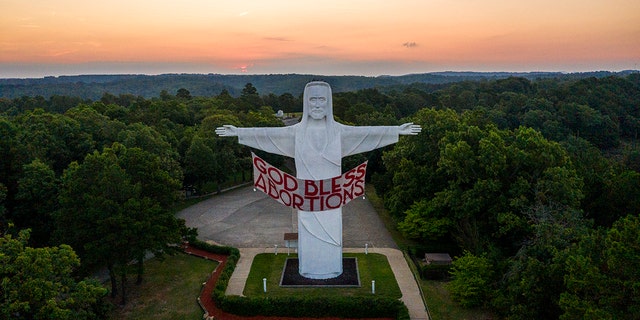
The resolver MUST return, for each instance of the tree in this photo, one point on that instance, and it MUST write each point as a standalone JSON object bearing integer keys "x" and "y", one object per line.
{"x": 422, "y": 221}
{"x": 9, "y": 163}
{"x": 287, "y": 102}
{"x": 482, "y": 180}
{"x": 3, "y": 198}
{"x": 36, "y": 200}
{"x": 603, "y": 274}
{"x": 533, "y": 279}
{"x": 199, "y": 163}
{"x": 596, "y": 172}
{"x": 38, "y": 283}
{"x": 471, "y": 280}
{"x": 620, "y": 196}
{"x": 164, "y": 95}
{"x": 100, "y": 127}
{"x": 146, "y": 138}
{"x": 590, "y": 124}
{"x": 114, "y": 210}
{"x": 183, "y": 93}
{"x": 212, "y": 158}
{"x": 53, "y": 138}
{"x": 250, "y": 98}
{"x": 411, "y": 165}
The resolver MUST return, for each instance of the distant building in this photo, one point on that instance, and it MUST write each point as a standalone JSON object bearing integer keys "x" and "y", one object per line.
{"x": 437, "y": 258}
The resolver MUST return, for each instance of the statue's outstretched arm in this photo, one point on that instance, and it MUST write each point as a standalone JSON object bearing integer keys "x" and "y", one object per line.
{"x": 409, "y": 129}
{"x": 278, "y": 140}
{"x": 356, "y": 139}
{"x": 227, "y": 130}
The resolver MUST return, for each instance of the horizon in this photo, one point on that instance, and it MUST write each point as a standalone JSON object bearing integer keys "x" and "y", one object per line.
{"x": 363, "y": 38}
{"x": 317, "y": 74}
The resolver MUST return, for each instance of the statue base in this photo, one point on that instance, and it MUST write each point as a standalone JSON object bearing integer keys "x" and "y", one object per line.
{"x": 349, "y": 278}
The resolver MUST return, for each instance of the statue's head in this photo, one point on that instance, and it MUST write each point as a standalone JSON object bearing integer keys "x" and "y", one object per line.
{"x": 317, "y": 103}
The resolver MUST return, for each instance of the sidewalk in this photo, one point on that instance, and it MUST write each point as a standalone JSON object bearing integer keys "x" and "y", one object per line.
{"x": 408, "y": 286}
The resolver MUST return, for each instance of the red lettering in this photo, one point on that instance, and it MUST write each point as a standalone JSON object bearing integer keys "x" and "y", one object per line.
{"x": 335, "y": 185}
{"x": 316, "y": 195}
{"x": 336, "y": 203}
{"x": 273, "y": 191}
{"x": 362, "y": 170}
{"x": 347, "y": 195}
{"x": 290, "y": 182}
{"x": 358, "y": 188}
{"x": 312, "y": 202}
{"x": 310, "y": 188}
{"x": 349, "y": 176}
{"x": 285, "y": 202}
{"x": 297, "y": 202}
{"x": 260, "y": 165}
{"x": 274, "y": 174}
{"x": 322, "y": 190}
{"x": 260, "y": 183}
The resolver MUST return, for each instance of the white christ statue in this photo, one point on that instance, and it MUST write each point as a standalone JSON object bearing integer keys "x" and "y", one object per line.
{"x": 318, "y": 143}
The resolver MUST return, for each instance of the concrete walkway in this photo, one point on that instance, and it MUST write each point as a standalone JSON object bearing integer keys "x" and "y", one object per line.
{"x": 407, "y": 283}
{"x": 239, "y": 277}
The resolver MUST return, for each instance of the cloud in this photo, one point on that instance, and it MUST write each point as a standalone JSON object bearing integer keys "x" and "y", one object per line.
{"x": 276, "y": 39}
{"x": 410, "y": 44}
{"x": 60, "y": 53}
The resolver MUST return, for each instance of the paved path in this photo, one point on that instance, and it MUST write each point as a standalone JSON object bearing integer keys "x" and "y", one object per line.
{"x": 254, "y": 223}
{"x": 244, "y": 218}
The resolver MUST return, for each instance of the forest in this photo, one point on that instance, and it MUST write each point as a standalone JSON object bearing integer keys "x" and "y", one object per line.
{"x": 532, "y": 184}
{"x": 92, "y": 87}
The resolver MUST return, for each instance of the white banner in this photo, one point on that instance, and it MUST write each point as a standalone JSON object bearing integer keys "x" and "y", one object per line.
{"x": 308, "y": 195}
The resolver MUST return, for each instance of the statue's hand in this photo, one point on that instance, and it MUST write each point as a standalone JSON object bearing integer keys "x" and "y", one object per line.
{"x": 227, "y": 130}
{"x": 409, "y": 129}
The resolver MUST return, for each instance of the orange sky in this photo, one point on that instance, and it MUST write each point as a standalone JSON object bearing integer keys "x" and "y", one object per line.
{"x": 40, "y": 37}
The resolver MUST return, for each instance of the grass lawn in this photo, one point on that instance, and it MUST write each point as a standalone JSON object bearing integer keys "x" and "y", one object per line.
{"x": 441, "y": 307}
{"x": 169, "y": 290}
{"x": 372, "y": 266}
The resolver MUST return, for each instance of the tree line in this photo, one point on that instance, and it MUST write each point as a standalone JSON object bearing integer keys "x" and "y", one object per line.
{"x": 533, "y": 184}
{"x": 149, "y": 86}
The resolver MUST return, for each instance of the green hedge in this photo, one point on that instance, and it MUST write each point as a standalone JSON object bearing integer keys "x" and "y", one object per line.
{"x": 352, "y": 307}
{"x": 230, "y": 251}
{"x": 297, "y": 306}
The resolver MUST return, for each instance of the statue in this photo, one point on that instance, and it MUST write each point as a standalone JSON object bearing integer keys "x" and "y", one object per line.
{"x": 318, "y": 143}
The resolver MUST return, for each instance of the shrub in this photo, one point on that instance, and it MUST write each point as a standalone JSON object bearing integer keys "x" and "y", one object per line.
{"x": 352, "y": 307}
{"x": 471, "y": 280}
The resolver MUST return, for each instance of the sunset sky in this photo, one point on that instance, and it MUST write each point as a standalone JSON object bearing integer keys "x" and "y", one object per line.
{"x": 69, "y": 37}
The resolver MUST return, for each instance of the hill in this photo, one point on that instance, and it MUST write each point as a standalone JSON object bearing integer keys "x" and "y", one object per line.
{"x": 94, "y": 86}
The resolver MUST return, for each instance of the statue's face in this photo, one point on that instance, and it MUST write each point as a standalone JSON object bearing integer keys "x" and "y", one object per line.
{"x": 318, "y": 102}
